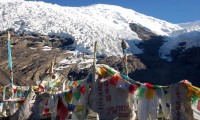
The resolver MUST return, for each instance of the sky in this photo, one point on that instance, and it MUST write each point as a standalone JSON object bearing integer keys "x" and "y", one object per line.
{"x": 174, "y": 11}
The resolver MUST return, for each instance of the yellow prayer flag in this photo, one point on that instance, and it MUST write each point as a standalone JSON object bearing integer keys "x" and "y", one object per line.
{"x": 58, "y": 82}
{"x": 150, "y": 93}
{"x": 68, "y": 97}
{"x": 79, "y": 108}
{"x": 190, "y": 91}
{"x": 101, "y": 71}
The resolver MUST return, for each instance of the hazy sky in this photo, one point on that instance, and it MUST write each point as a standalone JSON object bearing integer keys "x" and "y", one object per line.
{"x": 175, "y": 11}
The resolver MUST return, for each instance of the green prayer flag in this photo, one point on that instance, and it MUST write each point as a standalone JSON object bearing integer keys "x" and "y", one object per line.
{"x": 110, "y": 71}
{"x": 19, "y": 91}
{"x": 79, "y": 82}
{"x": 194, "y": 99}
{"x": 141, "y": 92}
{"x": 77, "y": 95}
{"x": 156, "y": 86}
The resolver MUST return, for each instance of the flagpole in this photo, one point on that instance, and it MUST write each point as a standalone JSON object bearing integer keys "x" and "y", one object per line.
{"x": 124, "y": 61}
{"x": 10, "y": 59}
{"x": 94, "y": 62}
{"x": 95, "y": 50}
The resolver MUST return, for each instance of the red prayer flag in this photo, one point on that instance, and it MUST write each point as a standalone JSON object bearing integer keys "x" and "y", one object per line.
{"x": 198, "y": 105}
{"x": 46, "y": 111}
{"x": 114, "y": 79}
{"x": 15, "y": 90}
{"x": 82, "y": 89}
{"x": 62, "y": 111}
{"x": 149, "y": 85}
{"x": 132, "y": 88}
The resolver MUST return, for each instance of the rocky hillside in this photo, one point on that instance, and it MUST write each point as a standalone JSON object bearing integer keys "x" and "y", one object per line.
{"x": 31, "y": 60}
{"x": 29, "y": 64}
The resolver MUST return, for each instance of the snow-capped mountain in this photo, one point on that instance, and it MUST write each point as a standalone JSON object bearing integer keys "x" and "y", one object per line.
{"x": 184, "y": 41}
{"x": 106, "y": 24}
{"x": 189, "y": 36}
{"x": 191, "y": 26}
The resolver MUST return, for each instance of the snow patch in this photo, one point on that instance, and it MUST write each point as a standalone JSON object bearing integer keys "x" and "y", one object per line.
{"x": 191, "y": 39}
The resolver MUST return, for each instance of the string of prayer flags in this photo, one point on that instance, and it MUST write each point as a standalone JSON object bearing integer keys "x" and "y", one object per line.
{"x": 79, "y": 90}
{"x": 74, "y": 83}
{"x": 120, "y": 83}
{"x": 52, "y": 82}
{"x": 117, "y": 80}
{"x": 127, "y": 78}
{"x": 110, "y": 70}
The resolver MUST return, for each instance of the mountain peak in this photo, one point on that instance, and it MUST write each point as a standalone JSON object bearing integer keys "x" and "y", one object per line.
{"x": 99, "y": 22}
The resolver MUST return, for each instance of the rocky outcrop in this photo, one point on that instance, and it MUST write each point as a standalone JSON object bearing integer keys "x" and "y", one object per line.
{"x": 133, "y": 63}
{"x": 30, "y": 65}
{"x": 185, "y": 64}
{"x": 36, "y": 40}
{"x": 142, "y": 32}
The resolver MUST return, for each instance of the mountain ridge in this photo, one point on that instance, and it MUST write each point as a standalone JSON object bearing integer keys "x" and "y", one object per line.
{"x": 82, "y": 24}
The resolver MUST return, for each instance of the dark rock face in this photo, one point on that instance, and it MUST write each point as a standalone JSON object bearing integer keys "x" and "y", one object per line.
{"x": 133, "y": 63}
{"x": 185, "y": 64}
{"x": 142, "y": 32}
